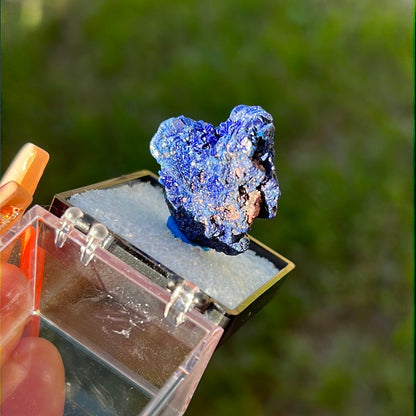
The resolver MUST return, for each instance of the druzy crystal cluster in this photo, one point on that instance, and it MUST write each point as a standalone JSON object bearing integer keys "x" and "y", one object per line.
{"x": 217, "y": 180}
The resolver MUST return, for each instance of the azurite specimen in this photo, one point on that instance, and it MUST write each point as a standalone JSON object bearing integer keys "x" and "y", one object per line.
{"x": 218, "y": 179}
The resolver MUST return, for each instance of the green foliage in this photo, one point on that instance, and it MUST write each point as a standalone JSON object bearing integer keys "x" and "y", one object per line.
{"x": 91, "y": 81}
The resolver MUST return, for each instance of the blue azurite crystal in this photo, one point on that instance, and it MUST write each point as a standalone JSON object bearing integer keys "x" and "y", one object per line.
{"x": 218, "y": 179}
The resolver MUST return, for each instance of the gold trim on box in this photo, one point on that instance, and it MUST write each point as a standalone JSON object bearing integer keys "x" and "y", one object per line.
{"x": 112, "y": 182}
{"x": 283, "y": 272}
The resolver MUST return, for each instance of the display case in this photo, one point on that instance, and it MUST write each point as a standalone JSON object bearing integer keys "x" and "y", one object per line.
{"x": 135, "y": 332}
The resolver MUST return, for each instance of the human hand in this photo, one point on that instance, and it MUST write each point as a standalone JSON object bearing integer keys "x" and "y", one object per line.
{"x": 32, "y": 373}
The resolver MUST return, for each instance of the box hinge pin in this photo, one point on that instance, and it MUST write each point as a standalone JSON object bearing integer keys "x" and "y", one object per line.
{"x": 96, "y": 237}
{"x": 183, "y": 297}
{"x": 70, "y": 217}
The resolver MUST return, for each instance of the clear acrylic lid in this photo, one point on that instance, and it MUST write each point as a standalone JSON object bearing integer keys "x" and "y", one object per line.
{"x": 122, "y": 356}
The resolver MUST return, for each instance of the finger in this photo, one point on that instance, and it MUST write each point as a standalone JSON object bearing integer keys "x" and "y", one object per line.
{"x": 15, "y": 307}
{"x": 33, "y": 380}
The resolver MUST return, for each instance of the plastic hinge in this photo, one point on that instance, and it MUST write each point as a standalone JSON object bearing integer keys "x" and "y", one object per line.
{"x": 70, "y": 217}
{"x": 183, "y": 297}
{"x": 97, "y": 236}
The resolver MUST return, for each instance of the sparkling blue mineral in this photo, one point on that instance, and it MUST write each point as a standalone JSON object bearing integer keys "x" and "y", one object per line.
{"x": 217, "y": 180}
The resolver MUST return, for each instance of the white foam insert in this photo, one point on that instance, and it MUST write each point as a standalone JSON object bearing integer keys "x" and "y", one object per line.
{"x": 138, "y": 213}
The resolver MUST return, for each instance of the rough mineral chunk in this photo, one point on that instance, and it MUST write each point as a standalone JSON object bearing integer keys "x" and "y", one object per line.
{"x": 217, "y": 180}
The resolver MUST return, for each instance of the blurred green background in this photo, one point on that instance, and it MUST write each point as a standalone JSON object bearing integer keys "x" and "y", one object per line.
{"x": 90, "y": 81}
